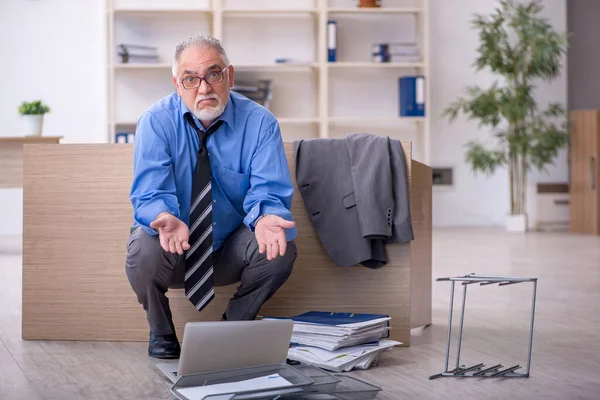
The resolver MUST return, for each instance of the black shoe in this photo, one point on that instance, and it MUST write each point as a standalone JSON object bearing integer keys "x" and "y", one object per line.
{"x": 164, "y": 346}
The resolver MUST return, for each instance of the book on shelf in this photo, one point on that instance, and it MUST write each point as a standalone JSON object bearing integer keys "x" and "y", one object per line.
{"x": 332, "y": 41}
{"x": 412, "y": 96}
{"x": 124, "y": 137}
{"x": 260, "y": 91}
{"x": 395, "y": 52}
{"x": 133, "y": 53}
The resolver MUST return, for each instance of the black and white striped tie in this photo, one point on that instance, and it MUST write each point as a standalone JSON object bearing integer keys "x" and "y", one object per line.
{"x": 199, "y": 287}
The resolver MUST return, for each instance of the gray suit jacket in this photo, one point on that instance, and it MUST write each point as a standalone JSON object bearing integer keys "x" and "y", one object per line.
{"x": 355, "y": 191}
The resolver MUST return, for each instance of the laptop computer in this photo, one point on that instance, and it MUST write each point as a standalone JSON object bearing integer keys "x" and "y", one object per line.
{"x": 220, "y": 345}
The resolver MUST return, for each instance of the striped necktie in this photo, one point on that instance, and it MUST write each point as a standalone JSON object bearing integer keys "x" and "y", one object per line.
{"x": 199, "y": 287}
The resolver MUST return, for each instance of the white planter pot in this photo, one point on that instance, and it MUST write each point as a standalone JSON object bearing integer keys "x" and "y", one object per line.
{"x": 33, "y": 124}
{"x": 516, "y": 223}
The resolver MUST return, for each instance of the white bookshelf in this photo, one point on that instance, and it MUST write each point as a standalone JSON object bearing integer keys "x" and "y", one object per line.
{"x": 311, "y": 97}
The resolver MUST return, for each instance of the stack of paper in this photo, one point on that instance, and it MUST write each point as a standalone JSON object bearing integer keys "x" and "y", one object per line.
{"x": 339, "y": 341}
{"x": 341, "y": 360}
{"x": 333, "y": 337}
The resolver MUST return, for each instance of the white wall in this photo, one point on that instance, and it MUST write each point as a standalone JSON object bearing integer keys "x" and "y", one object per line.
{"x": 481, "y": 199}
{"x": 56, "y": 51}
{"x": 51, "y": 50}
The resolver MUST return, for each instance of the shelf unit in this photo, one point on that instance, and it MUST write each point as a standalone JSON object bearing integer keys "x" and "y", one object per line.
{"x": 313, "y": 97}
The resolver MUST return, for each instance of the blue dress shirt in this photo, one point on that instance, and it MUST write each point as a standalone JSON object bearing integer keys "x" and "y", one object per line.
{"x": 250, "y": 174}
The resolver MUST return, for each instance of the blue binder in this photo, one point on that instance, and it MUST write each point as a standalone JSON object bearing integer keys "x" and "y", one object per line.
{"x": 331, "y": 41}
{"x": 412, "y": 96}
{"x": 335, "y": 318}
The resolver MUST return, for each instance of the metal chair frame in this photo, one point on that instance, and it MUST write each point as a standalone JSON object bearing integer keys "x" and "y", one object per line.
{"x": 480, "y": 370}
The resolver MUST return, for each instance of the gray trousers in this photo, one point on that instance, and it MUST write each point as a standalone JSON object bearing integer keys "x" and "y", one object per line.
{"x": 152, "y": 271}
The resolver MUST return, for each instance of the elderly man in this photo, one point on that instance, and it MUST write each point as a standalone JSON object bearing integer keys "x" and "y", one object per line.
{"x": 211, "y": 196}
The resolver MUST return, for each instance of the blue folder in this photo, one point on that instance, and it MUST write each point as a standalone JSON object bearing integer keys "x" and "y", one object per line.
{"x": 335, "y": 318}
{"x": 412, "y": 96}
{"x": 331, "y": 41}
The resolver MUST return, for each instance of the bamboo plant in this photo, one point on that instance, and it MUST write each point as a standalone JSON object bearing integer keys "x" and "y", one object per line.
{"x": 520, "y": 48}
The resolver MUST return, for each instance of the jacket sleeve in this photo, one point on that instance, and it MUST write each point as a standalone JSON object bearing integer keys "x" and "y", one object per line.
{"x": 402, "y": 223}
{"x": 372, "y": 182}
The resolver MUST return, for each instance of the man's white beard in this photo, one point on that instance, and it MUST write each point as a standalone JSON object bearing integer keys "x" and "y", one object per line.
{"x": 209, "y": 113}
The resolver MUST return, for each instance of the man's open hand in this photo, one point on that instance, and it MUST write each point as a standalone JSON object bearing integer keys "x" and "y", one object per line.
{"x": 270, "y": 235}
{"x": 172, "y": 232}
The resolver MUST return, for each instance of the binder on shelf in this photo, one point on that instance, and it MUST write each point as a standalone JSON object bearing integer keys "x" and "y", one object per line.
{"x": 132, "y": 53}
{"x": 331, "y": 41}
{"x": 412, "y": 96}
{"x": 124, "y": 137}
{"x": 395, "y": 52}
{"x": 260, "y": 91}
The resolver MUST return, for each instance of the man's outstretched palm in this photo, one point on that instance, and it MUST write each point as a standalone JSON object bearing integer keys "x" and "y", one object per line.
{"x": 270, "y": 235}
{"x": 172, "y": 232}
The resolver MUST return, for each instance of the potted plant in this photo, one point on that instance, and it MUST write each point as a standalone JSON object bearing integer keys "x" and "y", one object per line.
{"x": 32, "y": 113}
{"x": 519, "y": 47}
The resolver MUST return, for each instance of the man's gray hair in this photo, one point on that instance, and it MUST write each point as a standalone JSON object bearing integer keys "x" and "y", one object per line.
{"x": 202, "y": 42}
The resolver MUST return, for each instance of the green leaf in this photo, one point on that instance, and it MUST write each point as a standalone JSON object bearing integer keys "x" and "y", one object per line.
{"x": 33, "y": 108}
{"x": 521, "y": 48}
{"x": 482, "y": 159}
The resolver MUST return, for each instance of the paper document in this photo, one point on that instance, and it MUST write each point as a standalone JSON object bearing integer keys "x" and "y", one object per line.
{"x": 341, "y": 360}
{"x": 273, "y": 381}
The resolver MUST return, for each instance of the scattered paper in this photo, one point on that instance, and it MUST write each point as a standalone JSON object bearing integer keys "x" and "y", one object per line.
{"x": 341, "y": 360}
{"x": 272, "y": 381}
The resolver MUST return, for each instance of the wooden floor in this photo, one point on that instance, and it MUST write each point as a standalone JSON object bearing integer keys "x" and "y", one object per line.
{"x": 566, "y": 346}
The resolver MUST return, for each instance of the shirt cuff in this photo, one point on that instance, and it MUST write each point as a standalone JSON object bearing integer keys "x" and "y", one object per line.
{"x": 253, "y": 216}
{"x": 257, "y": 211}
{"x": 149, "y": 211}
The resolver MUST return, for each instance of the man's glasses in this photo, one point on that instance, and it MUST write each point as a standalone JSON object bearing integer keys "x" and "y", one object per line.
{"x": 212, "y": 78}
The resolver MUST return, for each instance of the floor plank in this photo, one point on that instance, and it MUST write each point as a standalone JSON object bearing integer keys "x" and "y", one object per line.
{"x": 566, "y": 346}
{"x": 13, "y": 382}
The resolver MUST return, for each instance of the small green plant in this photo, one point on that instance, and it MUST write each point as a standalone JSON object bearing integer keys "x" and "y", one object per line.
{"x": 33, "y": 108}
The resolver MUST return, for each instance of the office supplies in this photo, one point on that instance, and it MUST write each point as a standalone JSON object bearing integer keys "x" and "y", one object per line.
{"x": 221, "y": 345}
{"x": 325, "y": 382}
{"x": 331, "y": 41}
{"x": 260, "y": 91}
{"x": 125, "y": 137}
{"x": 260, "y": 382}
{"x": 344, "y": 359}
{"x": 331, "y": 331}
{"x": 133, "y": 53}
{"x": 349, "y": 320}
{"x": 354, "y": 388}
{"x": 402, "y": 52}
{"x": 480, "y": 370}
{"x": 412, "y": 96}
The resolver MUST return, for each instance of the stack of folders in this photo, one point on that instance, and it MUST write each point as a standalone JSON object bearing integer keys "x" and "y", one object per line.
{"x": 259, "y": 91}
{"x": 396, "y": 52}
{"x": 133, "y": 53}
{"x": 339, "y": 342}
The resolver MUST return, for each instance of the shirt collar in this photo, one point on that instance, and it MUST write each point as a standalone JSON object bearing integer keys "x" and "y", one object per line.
{"x": 228, "y": 116}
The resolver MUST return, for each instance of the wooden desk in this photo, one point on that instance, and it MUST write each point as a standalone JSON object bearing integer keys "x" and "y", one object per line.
{"x": 76, "y": 220}
{"x": 11, "y": 157}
